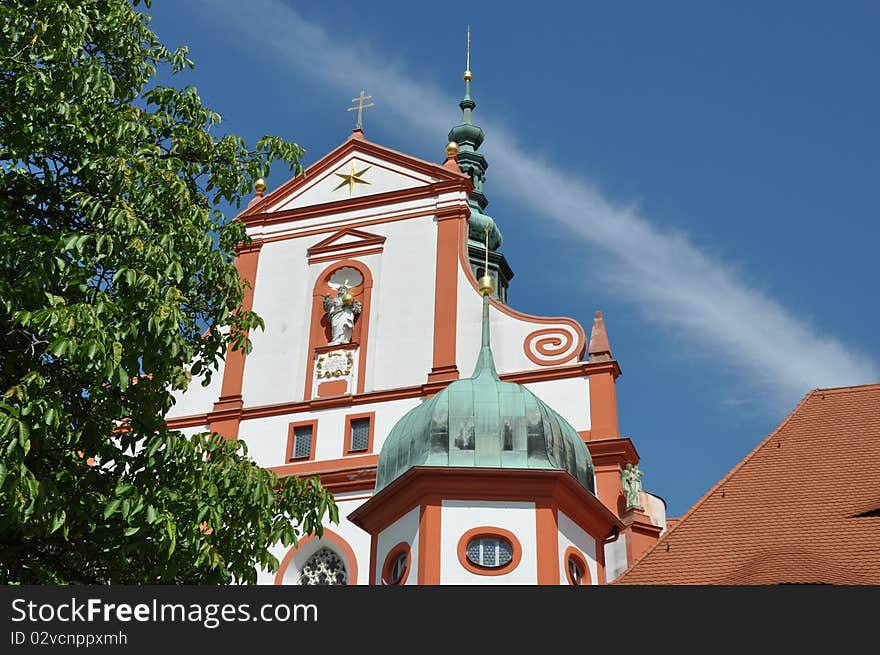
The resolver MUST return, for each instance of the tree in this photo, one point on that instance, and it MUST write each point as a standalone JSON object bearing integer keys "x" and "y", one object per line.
{"x": 118, "y": 288}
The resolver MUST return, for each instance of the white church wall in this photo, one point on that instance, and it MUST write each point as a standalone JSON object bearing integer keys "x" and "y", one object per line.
{"x": 655, "y": 507}
{"x": 401, "y": 350}
{"x": 275, "y": 368}
{"x": 404, "y": 529}
{"x": 459, "y": 516}
{"x": 615, "y": 558}
{"x": 198, "y": 399}
{"x": 572, "y": 535}
{"x": 569, "y": 397}
{"x": 196, "y": 429}
{"x": 357, "y": 539}
{"x": 511, "y": 336}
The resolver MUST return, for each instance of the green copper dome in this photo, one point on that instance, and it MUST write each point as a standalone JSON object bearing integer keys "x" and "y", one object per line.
{"x": 484, "y": 422}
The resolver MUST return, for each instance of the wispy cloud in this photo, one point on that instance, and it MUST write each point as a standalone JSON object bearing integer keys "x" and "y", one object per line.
{"x": 664, "y": 274}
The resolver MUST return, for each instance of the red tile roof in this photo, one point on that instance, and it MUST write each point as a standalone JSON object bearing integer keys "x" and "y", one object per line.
{"x": 789, "y": 512}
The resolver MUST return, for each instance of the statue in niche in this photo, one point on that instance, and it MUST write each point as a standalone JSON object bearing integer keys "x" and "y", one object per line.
{"x": 341, "y": 312}
{"x": 632, "y": 485}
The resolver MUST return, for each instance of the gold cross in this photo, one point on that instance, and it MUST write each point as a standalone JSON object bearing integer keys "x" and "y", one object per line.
{"x": 360, "y": 107}
{"x": 351, "y": 179}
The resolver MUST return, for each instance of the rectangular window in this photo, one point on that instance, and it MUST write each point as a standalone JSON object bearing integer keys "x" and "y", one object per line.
{"x": 358, "y": 438}
{"x": 301, "y": 441}
{"x": 360, "y": 434}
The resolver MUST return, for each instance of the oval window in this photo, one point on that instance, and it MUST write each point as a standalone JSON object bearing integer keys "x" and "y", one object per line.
{"x": 490, "y": 552}
{"x": 396, "y": 567}
{"x": 575, "y": 571}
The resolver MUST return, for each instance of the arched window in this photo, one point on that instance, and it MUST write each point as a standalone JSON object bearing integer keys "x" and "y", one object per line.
{"x": 325, "y": 567}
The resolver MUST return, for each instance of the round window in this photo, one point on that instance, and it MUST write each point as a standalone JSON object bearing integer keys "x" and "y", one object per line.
{"x": 490, "y": 552}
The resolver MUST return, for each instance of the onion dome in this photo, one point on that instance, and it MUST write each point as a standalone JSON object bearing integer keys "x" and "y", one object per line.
{"x": 483, "y": 422}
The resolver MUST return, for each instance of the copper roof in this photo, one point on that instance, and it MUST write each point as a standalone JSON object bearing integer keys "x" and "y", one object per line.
{"x": 802, "y": 507}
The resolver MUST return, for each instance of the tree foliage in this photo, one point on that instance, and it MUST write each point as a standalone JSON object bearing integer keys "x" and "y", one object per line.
{"x": 117, "y": 289}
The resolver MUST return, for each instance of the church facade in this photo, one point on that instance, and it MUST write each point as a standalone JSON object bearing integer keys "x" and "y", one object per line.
{"x": 465, "y": 442}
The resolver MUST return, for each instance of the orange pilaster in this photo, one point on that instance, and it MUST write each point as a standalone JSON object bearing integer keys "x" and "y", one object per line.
{"x": 429, "y": 543}
{"x": 450, "y": 232}
{"x": 547, "y": 543}
{"x": 229, "y": 405}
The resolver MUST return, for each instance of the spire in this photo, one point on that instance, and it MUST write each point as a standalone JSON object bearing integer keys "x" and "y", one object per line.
{"x": 485, "y": 361}
{"x": 600, "y": 348}
{"x": 468, "y": 137}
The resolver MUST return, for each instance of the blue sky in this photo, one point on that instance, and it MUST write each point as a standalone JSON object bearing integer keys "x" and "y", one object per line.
{"x": 705, "y": 173}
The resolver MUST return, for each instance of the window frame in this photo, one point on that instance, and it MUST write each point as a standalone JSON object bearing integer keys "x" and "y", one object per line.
{"x": 346, "y": 444}
{"x": 402, "y": 548}
{"x": 291, "y": 440}
{"x": 492, "y": 532}
{"x": 572, "y": 553}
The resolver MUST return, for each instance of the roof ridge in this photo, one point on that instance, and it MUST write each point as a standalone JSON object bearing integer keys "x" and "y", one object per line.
{"x": 870, "y": 386}
{"x": 719, "y": 484}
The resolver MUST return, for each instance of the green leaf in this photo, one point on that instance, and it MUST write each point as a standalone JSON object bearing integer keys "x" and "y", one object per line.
{"x": 59, "y": 346}
{"x": 130, "y": 531}
{"x": 57, "y": 521}
{"x": 110, "y": 507}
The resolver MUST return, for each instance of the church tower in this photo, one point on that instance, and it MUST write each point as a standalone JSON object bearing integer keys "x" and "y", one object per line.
{"x": 381, "y": 284}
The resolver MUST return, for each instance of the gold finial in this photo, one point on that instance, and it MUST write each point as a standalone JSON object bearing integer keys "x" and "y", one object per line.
{"x": 360, "y": 108}
{"x": 452, "y": 148}
{"x": 260, "y": 185}
{"x": 468, "y": 76}
{"x": 487, "y": 285}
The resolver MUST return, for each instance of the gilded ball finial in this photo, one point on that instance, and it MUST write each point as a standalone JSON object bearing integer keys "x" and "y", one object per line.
{"x": 260, "y": 185}
{"x": 468, "y": 76}
{"x": 452, "y": 148}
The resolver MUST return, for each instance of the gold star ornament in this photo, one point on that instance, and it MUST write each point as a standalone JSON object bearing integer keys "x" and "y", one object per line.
{"x": 350, "y": 179}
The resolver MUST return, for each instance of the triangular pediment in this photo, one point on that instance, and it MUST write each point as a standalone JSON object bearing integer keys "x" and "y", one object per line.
{"x": 348, "y": 239}
{"x": 355, "y": 170}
